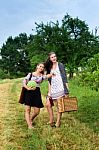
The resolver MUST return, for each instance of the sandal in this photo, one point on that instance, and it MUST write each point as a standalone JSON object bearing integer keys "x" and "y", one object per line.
{"x": 51, "y": 124}
{"x": 57, "y": 125}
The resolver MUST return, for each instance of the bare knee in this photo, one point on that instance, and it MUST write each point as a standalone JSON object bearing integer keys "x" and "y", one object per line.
{"x": 48, "y": 105}
{"x": 37, "y": 111}
{"x": 27, "y": 109}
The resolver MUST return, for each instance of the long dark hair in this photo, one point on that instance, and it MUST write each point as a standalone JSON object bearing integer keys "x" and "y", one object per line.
{"x": 48, "y": 64}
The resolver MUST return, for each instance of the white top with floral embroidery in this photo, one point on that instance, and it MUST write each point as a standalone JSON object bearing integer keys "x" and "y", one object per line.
{"x": 37, "y": 79}
{"x": 57, "y": 89}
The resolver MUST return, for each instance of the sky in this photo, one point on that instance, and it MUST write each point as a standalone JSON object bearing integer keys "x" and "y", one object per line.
{"x": 19, "y": 16}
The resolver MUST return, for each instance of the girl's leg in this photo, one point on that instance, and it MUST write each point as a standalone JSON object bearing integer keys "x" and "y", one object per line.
{"x": 59, "y": 115}
{"x": 35, "y": 113}
{"x": 27, "y": 116}
{"x": 50, "y": 111}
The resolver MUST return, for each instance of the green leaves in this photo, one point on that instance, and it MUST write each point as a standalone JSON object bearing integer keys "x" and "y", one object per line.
{"x": 14, "y": 57}
{"x": 71, "y": 41}
{"x": 90, "y": 76}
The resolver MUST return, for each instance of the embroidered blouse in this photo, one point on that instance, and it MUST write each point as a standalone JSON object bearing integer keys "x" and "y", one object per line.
{"x": 37, "y": 79}
{"x": 57, "y": 89}
{"x": 63, "y": 76}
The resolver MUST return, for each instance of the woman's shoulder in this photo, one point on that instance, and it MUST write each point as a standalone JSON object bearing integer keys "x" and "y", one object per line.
{"x": 29, "y": 75}
{"x": 33, "y": 73}
{"x": 60, "y": 64}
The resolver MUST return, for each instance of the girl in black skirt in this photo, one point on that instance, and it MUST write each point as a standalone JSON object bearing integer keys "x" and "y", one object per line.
{"x": 33, "y": 95}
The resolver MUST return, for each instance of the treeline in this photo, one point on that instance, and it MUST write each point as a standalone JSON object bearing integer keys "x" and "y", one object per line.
{"x": 72, "y": 41}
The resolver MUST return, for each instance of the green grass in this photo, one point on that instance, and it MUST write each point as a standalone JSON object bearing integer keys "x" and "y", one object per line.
{"x": 88, "y": 102}
{"x": 44, "y": 88}
{"x": 79, "y": 130}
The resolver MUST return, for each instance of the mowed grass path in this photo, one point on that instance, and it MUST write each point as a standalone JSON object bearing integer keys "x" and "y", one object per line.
{"x": 74, "y": 133}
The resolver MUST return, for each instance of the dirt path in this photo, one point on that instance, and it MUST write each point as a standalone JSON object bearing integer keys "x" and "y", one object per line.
{"x": 4, "y": 105}
{"x": 8, "y": 116}
{"x": 12, "y": 123}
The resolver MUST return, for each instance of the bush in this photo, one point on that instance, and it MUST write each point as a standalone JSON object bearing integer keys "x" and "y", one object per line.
{"x": 3, "y": 75}
{"x": 90, "y": 76}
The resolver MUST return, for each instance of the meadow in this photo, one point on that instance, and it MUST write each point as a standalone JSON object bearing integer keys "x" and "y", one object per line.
{"x": 79, "y": 130}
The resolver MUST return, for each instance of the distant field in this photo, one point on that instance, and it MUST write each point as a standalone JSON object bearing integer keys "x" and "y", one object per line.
{"x": 79, "y": 130}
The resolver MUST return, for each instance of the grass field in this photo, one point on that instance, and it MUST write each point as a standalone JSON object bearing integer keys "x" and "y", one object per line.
{"x": 79, "y": 130}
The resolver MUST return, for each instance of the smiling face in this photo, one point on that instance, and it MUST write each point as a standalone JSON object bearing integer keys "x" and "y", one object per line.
{"x": 40, "y": 68}
{"x": 53, "y": 58}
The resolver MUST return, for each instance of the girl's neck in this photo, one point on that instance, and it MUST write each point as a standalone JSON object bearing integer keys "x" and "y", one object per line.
{"x": 37, "y": 73}
{"x": 54, "y": 65}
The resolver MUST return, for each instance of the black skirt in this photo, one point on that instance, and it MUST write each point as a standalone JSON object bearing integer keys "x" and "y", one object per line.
{"x": 33, "y": 98}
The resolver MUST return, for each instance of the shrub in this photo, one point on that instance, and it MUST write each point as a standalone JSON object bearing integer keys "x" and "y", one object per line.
{"x": 90, "y": 76}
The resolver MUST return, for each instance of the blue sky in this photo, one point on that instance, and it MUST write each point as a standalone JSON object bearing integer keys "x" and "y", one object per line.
{"x": 18, "y": 16}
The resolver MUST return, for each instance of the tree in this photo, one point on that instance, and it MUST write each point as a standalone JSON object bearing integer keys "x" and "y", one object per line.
{"x": 80, "y": 45}
{"x": 71, "y": 41}
{"x": 14, "y": 58}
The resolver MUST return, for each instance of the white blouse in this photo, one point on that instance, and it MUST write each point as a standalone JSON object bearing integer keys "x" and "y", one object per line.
{"x": 57, "y": 89}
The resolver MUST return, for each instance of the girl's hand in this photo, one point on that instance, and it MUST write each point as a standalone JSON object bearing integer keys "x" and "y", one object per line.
{"x": 50, "y": 75}
{"x": 33, "y": 88}
{"x": 66, "y": 95}
{"x": 29, "y": 88}
{"x": 49, "y": 95}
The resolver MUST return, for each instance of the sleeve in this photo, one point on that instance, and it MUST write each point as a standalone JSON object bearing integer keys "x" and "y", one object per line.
{"x": 26, "y": 79}
{"x": 44, "y": 77}
{"x": 63, "y": 72}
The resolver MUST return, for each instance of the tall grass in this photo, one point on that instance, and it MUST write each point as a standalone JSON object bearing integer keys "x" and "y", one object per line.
{"x": 78, "y": 131}
{"x": 88, "y": 102}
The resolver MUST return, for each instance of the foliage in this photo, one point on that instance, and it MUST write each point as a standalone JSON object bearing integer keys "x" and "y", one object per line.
{"x": 3, "y": 75}
{"x": 14, "y": 58}
{"x": 90, "y": 75}
{"x": 36, "y": 59}
{"x": 72, "y": 42}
